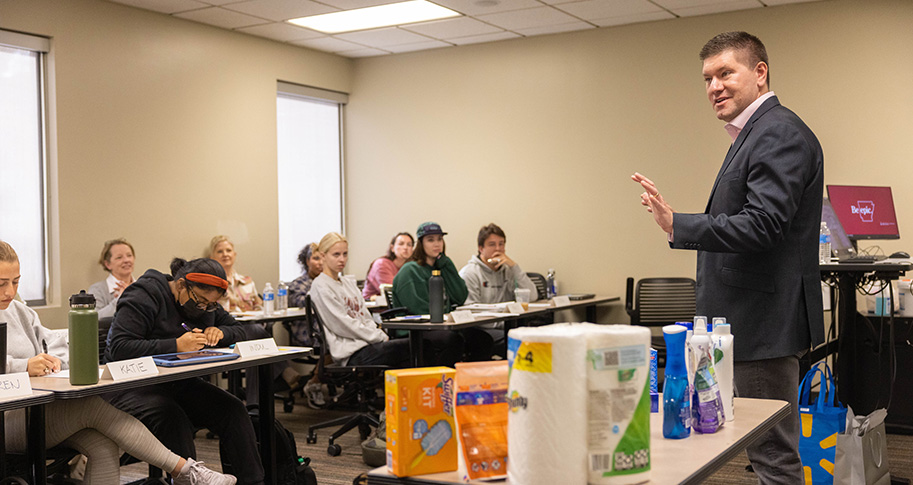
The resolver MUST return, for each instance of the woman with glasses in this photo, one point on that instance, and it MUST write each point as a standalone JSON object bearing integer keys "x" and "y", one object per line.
{"x": 160, "y": 314}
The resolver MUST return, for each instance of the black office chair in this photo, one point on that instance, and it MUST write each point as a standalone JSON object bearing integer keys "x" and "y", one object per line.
{"x": 657, "y": 302}
{"x": 359, "y": 384}
{"x": 288, "y": 397}
{"x": 541, "y": 285}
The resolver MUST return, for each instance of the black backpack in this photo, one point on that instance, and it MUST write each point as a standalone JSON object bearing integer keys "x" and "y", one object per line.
{"x": 291, "y": 469}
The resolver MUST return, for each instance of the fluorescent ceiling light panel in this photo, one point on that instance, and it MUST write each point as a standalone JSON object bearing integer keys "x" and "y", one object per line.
{"x": 375, "y": 17}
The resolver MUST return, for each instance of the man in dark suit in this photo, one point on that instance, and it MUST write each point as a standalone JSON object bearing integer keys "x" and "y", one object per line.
{"x": 757, "y": 261}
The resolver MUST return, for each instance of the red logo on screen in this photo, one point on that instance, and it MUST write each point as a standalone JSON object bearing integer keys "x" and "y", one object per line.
{"x": 865, "y": 209}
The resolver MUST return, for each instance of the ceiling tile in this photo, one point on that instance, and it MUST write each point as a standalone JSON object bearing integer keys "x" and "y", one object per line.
{"x": 164, "y": 6}
{"x": 716, "y": 8}
{"x": 450, "y": 28}
{"x": 633, "y": 19}
{"x": 600, "y": 9}
{"x": 382, "y": 37}
{"x": 528, "y": 18}
{"x": 784, "y": 2}
{"x": 221, "y": 18}
{"x": 281, "y": 31}
{"x": 482, "y": 7}
{"x": 478, "y": 39}
{"x": 279, "y": 10}
{"x": 215, "y": 2}
{"x": 431, "y": 44}
{"x": 554, "y": 29}
{"x": 674, "y": 4}
{"x": 328, "y": 44}
{"x": 367, "y": 52}
{"x": 353, "y": 4}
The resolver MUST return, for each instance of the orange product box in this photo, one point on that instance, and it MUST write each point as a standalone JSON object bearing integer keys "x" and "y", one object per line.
{"x": 421, "y": 437}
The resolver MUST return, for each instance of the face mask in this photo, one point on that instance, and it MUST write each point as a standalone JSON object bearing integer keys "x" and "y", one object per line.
{"x": 190, "y": 310}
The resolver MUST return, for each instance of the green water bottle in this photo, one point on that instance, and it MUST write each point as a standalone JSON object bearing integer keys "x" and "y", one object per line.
{"x": 83, "y": 330}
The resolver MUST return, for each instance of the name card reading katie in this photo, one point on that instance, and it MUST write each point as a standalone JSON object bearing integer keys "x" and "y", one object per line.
{"x": 562, "y": 300}
{"x": 130, "y": 368}
{"x": 462, "y": 316}
{"x": 515, "y": 308}
{"x": 263, "y": 346}
{"x": 15, "y": 385}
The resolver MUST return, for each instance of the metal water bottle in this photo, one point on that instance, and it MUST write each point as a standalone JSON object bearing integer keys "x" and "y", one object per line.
{"x": 83, "y": 332}
{"x": 436, "y": 297}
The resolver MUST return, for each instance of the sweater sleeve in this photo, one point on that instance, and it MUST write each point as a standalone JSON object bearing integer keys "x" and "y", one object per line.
{"x": 234, "y": 331}
{"x": 405, "y": 293}
{"x": 135, "y": 320}
{"x": 473, "y": 284}
{"x": 456, "y": 287}
{"x": 523, "y": 281}
{"x": 334, "y": 312}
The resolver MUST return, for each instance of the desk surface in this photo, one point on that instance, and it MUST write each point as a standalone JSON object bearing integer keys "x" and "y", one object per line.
{"x": 884, "y": 265}
{"x": 533, "y": 311}
{"x": 35, "y": 398}
{"x": 293, "y": 313}
{"x": 690, "y": 460}
{"x": 62, "y": 388}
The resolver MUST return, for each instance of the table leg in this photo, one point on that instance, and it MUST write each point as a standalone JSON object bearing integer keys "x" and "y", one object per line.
{"x": 416, "y": 348}
{"x": 591, "y": 313}
{"x": 267, "y": 430}
{"x": 37, "y": 455}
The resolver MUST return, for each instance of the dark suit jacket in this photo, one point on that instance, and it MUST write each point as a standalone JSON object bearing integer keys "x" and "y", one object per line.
{"x": 757, "y": 240}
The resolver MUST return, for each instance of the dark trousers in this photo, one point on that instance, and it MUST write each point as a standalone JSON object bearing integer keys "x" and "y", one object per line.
{"x": 775, "y": 456}
{"x": 441, "y": 347}
{"x": 173, "y": 410}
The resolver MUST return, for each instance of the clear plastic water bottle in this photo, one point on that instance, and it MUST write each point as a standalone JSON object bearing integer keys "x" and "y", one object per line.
{"x": 824, "y": 244}
{"x": 551, "y": 285}
{"x": 269, "y": 300}
{"x": 282, "y": 297}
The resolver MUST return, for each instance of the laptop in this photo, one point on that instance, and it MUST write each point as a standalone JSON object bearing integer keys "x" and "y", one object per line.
{"x": 189, "y": 358}
{"x": 841, "y": 246}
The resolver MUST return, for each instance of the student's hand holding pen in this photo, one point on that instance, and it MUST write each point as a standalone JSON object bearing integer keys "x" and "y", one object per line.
{"x": 42, "y": 365}
{"x": 192, "y": 340}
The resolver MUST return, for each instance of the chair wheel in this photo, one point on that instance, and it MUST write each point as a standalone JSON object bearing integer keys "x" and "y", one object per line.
{"x": 311, "y": 439}
{"x": 364, "y": 431}
{"x": 334, "y": 450}
{"x": 288, "y": 405}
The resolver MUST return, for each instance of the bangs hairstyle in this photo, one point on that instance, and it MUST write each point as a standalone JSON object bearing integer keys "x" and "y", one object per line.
{"x": 488, "y": 230}
{"x": 106, "y": 251}
{"x": 180, "y": 268}
{"x": 419, "y": 256}
{"x": 7, "y": 253}
{"x": 215, "y": 242}
{"x": 326, "y": 242}
{"x": 305, "y": 255}
{"x": 738, "y": 41}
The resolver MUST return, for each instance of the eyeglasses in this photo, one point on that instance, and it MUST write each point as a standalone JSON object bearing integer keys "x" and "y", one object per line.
{"x": 202, "y": 305}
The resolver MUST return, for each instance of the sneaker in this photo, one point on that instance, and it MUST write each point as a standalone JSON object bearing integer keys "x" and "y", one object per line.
{"x": 195, "y": 473}
{"x": 314, "y": 393}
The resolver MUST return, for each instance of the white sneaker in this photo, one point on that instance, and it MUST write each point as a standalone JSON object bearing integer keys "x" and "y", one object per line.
{"x": 314, "y": 393}
{"x": 195, "y": 473}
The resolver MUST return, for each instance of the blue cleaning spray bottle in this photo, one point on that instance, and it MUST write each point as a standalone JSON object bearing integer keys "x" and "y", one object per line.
{"x": 676, "y": 391}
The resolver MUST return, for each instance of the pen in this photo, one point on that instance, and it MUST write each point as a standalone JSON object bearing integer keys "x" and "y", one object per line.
{"x": 186, "y": 327}
{"x": 44, "y": 345}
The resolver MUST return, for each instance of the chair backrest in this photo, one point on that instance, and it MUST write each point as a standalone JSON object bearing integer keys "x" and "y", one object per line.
{"x": 660, "y": 301}
{"x": 317, "y": 334}
{"x": 541, "y": 285}
{"x": 388, "y": 294}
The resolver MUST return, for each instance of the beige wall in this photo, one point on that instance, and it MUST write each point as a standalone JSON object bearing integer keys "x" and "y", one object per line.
{"x": 166, "y": 134}
{"x": 541, "y": 134}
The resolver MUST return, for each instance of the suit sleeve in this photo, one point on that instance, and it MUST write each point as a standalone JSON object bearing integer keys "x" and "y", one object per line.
{"x": 779, "y": 170}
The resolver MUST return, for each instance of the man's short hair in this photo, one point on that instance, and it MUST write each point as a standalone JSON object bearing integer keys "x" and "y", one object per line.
{"x": 488, "y": 230}
{"x": 740, "y": 41}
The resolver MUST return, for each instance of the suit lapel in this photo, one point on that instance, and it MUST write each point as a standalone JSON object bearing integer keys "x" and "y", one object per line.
{"x": 739, "y": 141}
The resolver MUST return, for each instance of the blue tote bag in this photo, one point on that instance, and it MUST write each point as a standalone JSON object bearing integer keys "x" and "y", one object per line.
{"x": 820, "y": 421}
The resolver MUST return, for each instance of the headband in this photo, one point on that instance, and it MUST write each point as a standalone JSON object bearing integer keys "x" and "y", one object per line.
{"x": 207, "y": 279}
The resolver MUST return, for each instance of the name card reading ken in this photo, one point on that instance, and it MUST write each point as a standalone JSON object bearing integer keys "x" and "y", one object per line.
{"x": 15, "y": 385}
{"x": 263, "y": 346}
{"x": 562, "y": 300}
{"x": 515, "y": 307}
{"x": 462, "y": 316}
{"x": 128, "y": 369}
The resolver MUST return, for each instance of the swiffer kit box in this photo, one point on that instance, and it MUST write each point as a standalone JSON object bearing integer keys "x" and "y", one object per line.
{"x": 421, "y": 436}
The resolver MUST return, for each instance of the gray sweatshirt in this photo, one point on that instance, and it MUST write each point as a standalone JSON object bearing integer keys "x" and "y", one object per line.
{"x": 489, "y": 286}
{"x": 24, "y": 337}
{"x": 347, "y": 321}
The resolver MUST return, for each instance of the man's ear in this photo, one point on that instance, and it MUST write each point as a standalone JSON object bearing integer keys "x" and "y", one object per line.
{"x": 761, "y": 71}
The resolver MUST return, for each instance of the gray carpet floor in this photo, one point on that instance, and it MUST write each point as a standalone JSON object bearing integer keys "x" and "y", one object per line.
{"x": 341, "y": 470}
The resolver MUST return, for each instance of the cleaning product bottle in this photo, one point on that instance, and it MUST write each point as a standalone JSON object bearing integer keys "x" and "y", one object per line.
{"x": 723, "y": 366}
{"x": 706, "y": 404}
{"x": 436, "y": 296}
{"x": 676, "y": 395}
{"x": 83, "y": 335}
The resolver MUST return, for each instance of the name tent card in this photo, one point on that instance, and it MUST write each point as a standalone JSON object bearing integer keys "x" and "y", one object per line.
{"x": 263, "y": 346}
{"x": 462, "y": 316}
{"x": 15, "y": 385}
{"x": 562, "y": 300}
{"x": 130, "y": 368}
{"x": 515, "y": 308}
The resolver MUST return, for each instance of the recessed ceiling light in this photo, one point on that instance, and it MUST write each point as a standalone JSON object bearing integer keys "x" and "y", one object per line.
{"x": 375, "y": 17}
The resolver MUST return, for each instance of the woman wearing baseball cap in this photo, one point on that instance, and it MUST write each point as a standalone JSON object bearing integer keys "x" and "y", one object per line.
{"x": 410, "y": 286}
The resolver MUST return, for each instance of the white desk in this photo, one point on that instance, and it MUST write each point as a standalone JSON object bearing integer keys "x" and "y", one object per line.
{"x": 687, "y": 461}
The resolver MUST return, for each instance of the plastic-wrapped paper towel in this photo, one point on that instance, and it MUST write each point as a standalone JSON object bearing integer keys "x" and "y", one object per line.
{"x": 547, "y": 422}
{"x": 618, "y": 408}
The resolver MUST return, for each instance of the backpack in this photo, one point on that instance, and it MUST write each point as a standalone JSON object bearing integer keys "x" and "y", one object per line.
{"x": 291, "y": 469}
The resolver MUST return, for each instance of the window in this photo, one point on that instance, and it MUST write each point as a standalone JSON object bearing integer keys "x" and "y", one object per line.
{"x": 23, "y": 130}
{"x": 309, "y": 132}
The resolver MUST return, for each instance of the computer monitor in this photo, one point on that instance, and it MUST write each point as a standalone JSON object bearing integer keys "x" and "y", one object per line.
{"x": 864, "y": 212}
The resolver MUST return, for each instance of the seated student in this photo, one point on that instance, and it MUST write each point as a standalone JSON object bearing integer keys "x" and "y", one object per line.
{"x": 311, "y": 262}
{"x": 89, "y": 425}
{"x": 491, "y": 276}
{"x": 241, "y": 295}
{"x": 117, "y": 258}
{"x": 384, "y": 268}
{"x": 352, "y": 335}
{"x": 150, "y": 320}
{"x": 410, "y": 286}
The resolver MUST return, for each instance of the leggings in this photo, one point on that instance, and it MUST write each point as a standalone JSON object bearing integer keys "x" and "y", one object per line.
{"x": 96, "y": 429}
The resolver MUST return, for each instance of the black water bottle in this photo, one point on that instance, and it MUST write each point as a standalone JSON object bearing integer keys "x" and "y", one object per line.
{"x": 436, "y": 297}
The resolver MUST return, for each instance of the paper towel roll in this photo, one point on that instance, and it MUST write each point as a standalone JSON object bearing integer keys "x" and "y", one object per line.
{"x": 618, "y": 407}
{"x": 546, "y": 425}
